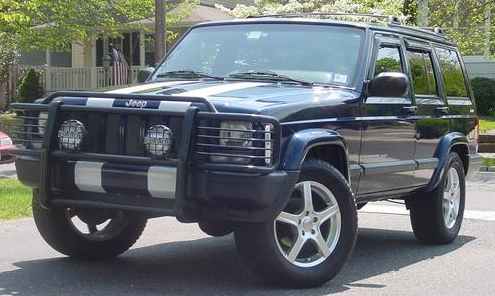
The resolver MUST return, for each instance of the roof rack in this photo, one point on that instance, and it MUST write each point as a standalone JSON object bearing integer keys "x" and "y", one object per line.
{"x": 436, "y": 30}
{"x": 390, "y": 19}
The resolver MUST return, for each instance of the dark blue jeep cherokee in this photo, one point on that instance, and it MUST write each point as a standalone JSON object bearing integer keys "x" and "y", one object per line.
{"x": 276, "y": 129}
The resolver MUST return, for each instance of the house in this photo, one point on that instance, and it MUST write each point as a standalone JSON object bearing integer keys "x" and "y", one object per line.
{"x": 81, "y": 67}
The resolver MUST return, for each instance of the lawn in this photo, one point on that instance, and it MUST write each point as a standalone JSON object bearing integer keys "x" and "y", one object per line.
{"x": 489, "y": 162}
{"x": 15, "y": 199}
{"x": 487, "y": 123}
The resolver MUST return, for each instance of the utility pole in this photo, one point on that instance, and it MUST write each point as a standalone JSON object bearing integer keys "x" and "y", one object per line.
{"x": 423, "y": 13}
{"x": 160, "y": 30}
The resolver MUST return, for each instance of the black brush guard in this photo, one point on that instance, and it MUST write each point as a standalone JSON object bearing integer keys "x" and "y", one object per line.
{"x": 183, "y": 208}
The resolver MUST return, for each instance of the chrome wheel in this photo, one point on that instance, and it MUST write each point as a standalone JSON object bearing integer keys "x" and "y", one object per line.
{"x": 451, "y": 198}
{"x": 308, "y": 230}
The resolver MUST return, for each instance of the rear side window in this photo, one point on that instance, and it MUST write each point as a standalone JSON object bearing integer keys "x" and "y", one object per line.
{"x": 455, "y": 85}
{"x": 388, "y": 60}
{"x": 422, "y": 74}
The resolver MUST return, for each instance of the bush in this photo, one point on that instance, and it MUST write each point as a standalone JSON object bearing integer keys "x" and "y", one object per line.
{"x": 8, "y": 122}
{"x": 30, "y": 88}
{"x": 484, "y": 92}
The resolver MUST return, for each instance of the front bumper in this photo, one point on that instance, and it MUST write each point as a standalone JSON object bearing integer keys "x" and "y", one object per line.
{"x": 180, "y": 187}
{"x": 210, "y": 195}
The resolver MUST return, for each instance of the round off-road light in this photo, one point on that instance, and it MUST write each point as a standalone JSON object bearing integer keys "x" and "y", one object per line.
{"x": 158, "y": 140}
{"x": 71, "y": 135}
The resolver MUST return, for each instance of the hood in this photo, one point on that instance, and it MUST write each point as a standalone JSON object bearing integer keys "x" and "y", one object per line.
{"x": 275, "y": 99}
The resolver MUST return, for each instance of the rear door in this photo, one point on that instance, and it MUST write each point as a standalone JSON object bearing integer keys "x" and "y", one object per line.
{"x": 432, "y": 122}
{"x": 387, "y": 152}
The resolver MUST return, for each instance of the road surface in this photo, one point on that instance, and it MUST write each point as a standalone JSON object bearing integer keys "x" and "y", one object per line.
{"x": 177, "y": 259}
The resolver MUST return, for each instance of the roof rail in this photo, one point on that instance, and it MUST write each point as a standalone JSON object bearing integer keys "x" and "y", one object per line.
{"x": 436, "y": 30}
{"x": 390, "y": 19}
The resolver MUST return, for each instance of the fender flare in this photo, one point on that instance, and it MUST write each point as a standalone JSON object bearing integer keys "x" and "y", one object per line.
{"x": 442, "y": 153}
{"x": 301, "y": 143}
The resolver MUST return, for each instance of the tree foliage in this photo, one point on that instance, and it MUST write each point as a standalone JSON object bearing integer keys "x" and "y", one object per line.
{"x": 57, "y": 23}
{"x": 464, "y": 20}
{"x": 484, "y": 92}
{"x": 30, "y": 88}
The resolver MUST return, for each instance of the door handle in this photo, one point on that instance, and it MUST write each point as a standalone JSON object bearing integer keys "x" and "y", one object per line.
{"x": 410, "y": 109}
{"x": 442, "y": 110}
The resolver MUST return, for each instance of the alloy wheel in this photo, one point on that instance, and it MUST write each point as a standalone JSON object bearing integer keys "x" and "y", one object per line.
{"x": 451, "y": 198}
{"x": 308, "y": 230}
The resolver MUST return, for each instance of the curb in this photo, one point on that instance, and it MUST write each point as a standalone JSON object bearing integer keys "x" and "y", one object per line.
{"x": 485, "y": 169}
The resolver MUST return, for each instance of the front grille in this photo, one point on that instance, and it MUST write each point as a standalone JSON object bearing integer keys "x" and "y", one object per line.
{"x": 28, "y": 129}
{"x": 215, "y": 145}
{"x": 122, "y": 134}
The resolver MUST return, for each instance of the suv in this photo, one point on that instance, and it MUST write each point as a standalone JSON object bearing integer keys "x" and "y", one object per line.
{"x": 274, "y": 128}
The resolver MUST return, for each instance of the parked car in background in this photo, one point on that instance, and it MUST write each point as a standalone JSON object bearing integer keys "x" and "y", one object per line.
{"x": 6, "y": 148}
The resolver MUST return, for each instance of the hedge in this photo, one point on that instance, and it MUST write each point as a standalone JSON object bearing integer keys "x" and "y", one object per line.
{"x": 484, "y": 92}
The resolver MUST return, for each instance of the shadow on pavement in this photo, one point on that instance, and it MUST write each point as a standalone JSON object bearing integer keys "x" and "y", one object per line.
{"x": 208, "y": 266}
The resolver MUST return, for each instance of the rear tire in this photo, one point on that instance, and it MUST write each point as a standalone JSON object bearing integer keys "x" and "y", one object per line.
{"x": 305, "y": 246}
{"x": 436, "y": 217}
{"x": 58, "y": 229}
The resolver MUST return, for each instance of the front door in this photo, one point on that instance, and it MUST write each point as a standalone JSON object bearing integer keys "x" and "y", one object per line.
{"x": 387, "y": 152}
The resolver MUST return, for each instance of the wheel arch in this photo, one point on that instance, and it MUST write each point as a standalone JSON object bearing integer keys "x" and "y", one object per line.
{"x": 452, "y": 142}
{"x": 323, "y": 144}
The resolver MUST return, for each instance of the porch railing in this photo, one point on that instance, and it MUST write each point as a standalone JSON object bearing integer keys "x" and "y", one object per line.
{"x": 83, "y": 78}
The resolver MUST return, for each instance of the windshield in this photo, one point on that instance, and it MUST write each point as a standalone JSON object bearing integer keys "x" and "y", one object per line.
{"x": 314, "y": 53}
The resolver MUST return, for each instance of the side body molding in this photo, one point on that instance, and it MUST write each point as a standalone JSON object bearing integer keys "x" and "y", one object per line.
{"x": 442, "y": 153}
{"x": 301, "y": 142}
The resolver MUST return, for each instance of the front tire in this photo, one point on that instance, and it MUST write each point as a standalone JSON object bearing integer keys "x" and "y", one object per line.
{"x": 436, "y": 217}
{"x": 108, "y": 233}
{"x": 311, "y": 239}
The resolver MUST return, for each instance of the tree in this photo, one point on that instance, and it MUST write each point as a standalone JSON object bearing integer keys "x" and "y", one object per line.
{"x": 263, "y": 7}
{"x": 55, "y": 24}
{"x": 30, "y": 88}
{"x": 467, "y": 22}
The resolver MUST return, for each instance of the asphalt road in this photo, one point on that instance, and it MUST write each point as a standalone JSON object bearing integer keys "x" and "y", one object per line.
{"x": 178, "y": 259}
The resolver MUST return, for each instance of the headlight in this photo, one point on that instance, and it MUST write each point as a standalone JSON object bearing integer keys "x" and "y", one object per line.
{"x": 5, "y": 142}
{"x": 236, "y": 133}
{"x": 158, "y": 140}
{"x": 71, "y": 135}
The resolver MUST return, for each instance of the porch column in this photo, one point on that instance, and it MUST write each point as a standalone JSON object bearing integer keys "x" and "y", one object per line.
{"x": 142, "y": 49}
{"x": 94, "y": 79}
{"x": 48, "y": 76}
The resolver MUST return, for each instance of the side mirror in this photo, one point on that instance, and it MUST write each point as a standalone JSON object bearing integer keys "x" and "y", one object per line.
{"x": 143, "y": 74}
{"x": 389, "y": 84}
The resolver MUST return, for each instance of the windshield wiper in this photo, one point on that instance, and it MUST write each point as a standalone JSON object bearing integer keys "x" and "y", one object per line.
{"x": 270, "y": 75}
{"x": 188, "y": 74}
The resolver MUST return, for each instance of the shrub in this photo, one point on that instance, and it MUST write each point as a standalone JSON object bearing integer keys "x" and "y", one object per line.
{"x": 484, "y": 92}
{"x": 8, "y": 122}
{"x": 30, "y": 88}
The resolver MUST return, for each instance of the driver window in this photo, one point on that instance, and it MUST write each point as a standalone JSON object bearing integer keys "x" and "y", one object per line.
{"x": 388, "y": 60}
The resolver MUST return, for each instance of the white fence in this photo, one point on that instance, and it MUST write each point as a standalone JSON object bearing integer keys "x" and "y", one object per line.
{"x": 84, "y": 78}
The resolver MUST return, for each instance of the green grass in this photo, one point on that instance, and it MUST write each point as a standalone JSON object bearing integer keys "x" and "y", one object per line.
{"x": 15, "y": 199}
{"x": 490, "y": 162}
{"x": 487, "y": 123}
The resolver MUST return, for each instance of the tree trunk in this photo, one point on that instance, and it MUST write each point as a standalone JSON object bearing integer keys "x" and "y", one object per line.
{"x": 160, "y": 30}
{"x": 423, "y": 13}
{"x": 488, "y": 27}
